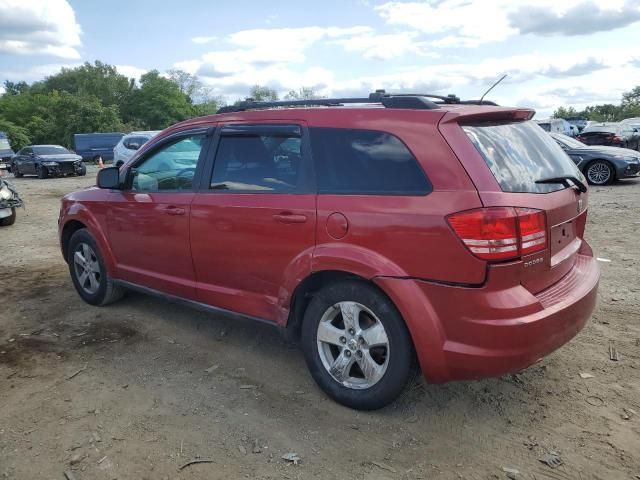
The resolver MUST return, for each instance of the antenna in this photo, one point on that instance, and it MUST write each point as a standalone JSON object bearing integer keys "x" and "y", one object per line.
{"x": 492, "y": 87}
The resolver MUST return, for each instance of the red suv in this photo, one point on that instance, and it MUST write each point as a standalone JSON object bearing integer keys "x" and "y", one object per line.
{"x": 387, "y": 232}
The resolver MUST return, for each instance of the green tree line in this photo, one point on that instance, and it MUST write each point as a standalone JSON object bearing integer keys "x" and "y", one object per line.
{"x": 97, "y": 98}
{"x": 628, "y": 107}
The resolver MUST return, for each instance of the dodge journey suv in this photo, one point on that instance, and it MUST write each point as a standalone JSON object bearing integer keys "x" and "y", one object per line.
{"x": 387, "y": 233}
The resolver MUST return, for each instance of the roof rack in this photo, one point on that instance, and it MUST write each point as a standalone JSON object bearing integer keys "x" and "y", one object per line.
{"x": 411, "y": 101}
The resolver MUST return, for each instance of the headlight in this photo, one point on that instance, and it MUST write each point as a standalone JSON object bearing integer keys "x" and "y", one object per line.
{"x": 5, "y": 193}
{"x": 50, "y": 164}
{"x": 626, "y": 158}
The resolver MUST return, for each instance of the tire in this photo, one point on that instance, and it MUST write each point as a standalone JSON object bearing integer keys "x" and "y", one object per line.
{"x": 100, "y": 289}
{"x": 395, "y": 363}
{"x": 42, "y": 172}
{"x": 10, "y": 220}
{"x": 96, "y": 159}
{"x": 15, "y": 171}
{"x": 83, "y": 171}
{"x": 599, "y": 172}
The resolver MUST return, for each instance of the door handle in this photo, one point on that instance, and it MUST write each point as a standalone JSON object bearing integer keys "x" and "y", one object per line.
{"x": 174, "y": 211}
{"x": 290, "y": 218}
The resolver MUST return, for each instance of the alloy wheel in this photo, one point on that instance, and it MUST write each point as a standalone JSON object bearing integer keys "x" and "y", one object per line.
{"x": 599, "y": 173}
{"x": 87, "y": 268}
{"x": 353, "y": 345}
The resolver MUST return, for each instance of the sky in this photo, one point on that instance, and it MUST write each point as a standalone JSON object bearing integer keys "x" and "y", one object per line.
{"x": 555, "y": 52}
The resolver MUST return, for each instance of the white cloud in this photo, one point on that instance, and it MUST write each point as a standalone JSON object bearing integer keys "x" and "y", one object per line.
{"x": 46, "y": 27}
{"x": 467, "y": 23}
{"x": 37, "y": 72}
{"x": 385, "y": 46}
{"x": 131, "y": 71}
{"x": 204, "y": 39}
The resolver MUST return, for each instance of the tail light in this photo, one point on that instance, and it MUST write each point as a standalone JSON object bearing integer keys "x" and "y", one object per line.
{"x": 501, "y": 233}
{"x": 615, "y": 139}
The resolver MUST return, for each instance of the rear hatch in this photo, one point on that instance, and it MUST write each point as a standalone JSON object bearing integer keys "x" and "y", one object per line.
{"x": 520, "y": 171}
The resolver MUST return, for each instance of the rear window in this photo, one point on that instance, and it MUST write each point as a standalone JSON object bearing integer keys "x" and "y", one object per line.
{"x": 601, "y": 129}
{"x": 545, "y": 126}
{"x": 519, "y": 154}
{"x": 365, "y": 162}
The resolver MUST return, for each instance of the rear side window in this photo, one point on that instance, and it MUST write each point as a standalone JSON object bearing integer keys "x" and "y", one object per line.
{"x": 365, "y": 162}
{"x": 260, "y": 162}
{"x": 519, "y": 154}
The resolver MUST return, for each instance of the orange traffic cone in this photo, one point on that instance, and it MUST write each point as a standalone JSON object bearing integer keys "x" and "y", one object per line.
{"x": 100, "y": 163}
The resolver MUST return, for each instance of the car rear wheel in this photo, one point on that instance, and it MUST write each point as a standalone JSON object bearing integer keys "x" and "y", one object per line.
{"x": 97, "y": 159}
{"x": 357, "y": 346}
{"x": 42, "y": 172}
{"x": 600, "y": 173}
{"x": 83, "y": 170}
{"x": 10, "y": 220}
{"x": 89, "y": 275}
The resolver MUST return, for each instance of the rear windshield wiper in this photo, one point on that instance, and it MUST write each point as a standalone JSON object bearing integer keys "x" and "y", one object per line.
{"x": 564, "y": 180}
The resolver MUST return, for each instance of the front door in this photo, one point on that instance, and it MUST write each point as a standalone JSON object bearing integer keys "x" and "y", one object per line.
{"x": 149, "y": 219}
{"x": 253, "y": 221}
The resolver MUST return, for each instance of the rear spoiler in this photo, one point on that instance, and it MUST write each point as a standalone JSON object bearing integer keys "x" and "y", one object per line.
{"x": 473, "y": 115}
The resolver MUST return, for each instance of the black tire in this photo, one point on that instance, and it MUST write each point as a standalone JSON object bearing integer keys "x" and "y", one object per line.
{"x": 401, "y": 365}
{"x": 16, "y": 172}
{"x": 96, "y": 159}
{"x": 10, "y": 220}
{"x": 107, "y": 291}
{"x": 83, "y": 170}
{"x": 42, "y": 172}
{"x": 600, "y": 172}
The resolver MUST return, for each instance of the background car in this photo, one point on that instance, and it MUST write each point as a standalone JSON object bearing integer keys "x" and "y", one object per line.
{"x": 601, "y": 165}
{"x": 9, "y": 201}
{"x": 612, "y": 134}
{"x": 634, "y": 122}
{"x": 578, "y": 122}
{"x": 557, "y": 125}
{"x": 96, "y": 146}
{"x": 45, "y": 161}
{"x": 129, "y": 144}
{"x": 5, "y": 149}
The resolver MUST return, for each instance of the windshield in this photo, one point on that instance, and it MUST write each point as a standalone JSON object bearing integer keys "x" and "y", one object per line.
{"x": 569, "y": 142}
{"x": 4, "y": 144}
{"x": 50, "y": 150}
{"x": 520, "y": 154}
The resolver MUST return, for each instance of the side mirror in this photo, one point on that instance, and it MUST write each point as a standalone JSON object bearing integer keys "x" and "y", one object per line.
{"x": 134, "y": 146}
{"x": 109, "y": 178}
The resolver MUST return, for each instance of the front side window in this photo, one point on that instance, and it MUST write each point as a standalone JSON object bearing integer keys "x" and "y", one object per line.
{"x": 258, "y": 163}
{"x": 365, "y": 162}
{"x": 171, "y": 167}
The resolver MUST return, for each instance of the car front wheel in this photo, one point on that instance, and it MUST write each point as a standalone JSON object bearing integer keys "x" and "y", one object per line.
{"x": 600, "y": 173}
{"x": 357, "y": 346}
{"x": 88, "y": 272}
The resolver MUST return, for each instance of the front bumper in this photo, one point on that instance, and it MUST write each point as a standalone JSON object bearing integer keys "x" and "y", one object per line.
{"x": 467, "y": 333}
{"x": 628, "y": 170}
{"x": 63, "y": 168}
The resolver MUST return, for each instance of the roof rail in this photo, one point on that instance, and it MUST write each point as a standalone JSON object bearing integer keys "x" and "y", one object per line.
{"x": 411, "y": 101}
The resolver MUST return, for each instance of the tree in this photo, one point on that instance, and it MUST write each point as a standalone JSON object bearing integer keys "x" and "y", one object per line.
{"x": 99, "y": 80}
{"x": 18, "y": 136}
{"x": 263, "y": 94}
{"x": 158, "y": 103}
{"x": 304, "y": 93}
{"x": 15, "y": 88}
{"x": 564, "y": 112}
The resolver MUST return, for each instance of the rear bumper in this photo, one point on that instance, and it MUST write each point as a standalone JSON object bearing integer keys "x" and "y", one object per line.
{"x": 467, "y": 333}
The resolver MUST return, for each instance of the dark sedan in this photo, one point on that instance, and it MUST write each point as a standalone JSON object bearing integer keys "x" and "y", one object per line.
{"x": 600, "y": 164}
{"x": 47, "y": 160}
{"x": 611, "y": 134}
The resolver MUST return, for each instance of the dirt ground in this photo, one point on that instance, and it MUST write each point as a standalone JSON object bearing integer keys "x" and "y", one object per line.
{"x": 137, "y": 389}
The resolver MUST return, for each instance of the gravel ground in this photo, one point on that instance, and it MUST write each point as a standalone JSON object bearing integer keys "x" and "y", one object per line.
{"x": 139, "y": 388}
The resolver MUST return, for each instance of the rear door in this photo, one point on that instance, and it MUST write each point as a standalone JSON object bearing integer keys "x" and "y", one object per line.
{"x": 253, "y": 219}
{"x": 507, "y": 159}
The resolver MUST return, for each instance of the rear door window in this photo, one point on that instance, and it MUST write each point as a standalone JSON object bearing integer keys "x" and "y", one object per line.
{"x": 365, "y": 162}
{"x": 520, "y": 154}
{"x": 260, "y": 158}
